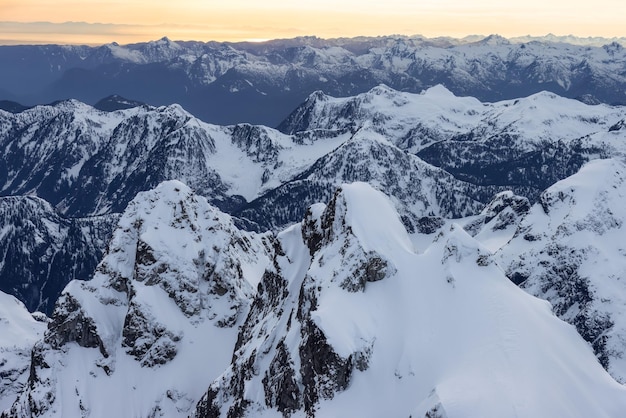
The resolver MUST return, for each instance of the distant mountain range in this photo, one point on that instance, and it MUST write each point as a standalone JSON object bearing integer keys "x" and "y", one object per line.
{"x": 265, "y": 81}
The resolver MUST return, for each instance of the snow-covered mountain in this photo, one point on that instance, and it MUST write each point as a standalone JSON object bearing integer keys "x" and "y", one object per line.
{"x": 261, "y": 83}
{"x": 89, "y": 162}
{"x": 347, "y": 319}
{"x": 418, "y": 189}
{"x": 86, "y": 161}
{"x": 41, "y": 251}
{"x": 159, "y": 320}
{"x": 524, "y": 145}
{"x": 569, "y": 249}
{"x": 353, "y": 322}
{"x": 19, "y": 330}
{"x": 407, "y": 294}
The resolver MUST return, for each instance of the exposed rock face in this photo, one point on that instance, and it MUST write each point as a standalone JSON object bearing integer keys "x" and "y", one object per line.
{"x": 303, "y": 367}
{"x": 71, "y": 324}
{"x": 503, "y": 213}
{"x": 172, "y": 289}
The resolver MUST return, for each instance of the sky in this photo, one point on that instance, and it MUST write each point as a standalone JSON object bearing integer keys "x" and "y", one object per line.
{"x": 127, "y": 21}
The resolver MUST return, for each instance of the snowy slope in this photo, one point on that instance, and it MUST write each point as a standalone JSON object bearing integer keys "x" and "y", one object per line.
{"x": 19, "y": 331}
{"x": 569, "y": 249}
{"x": 351, "y": 321}
{"x": 157, "y": 323}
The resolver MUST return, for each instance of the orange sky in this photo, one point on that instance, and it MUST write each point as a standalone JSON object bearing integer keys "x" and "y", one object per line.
{"x": 141, "y": 20}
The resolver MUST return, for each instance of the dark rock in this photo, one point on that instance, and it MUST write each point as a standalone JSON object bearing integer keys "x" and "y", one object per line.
{"x": 281, "y": 389}
{"x": 429, "y": 224}
{"x": 149, "y": 342}
{"x": 323, "y": 371}
{"x": 372, "y": 269}
{"x": 116, "y": 102}
{"x": 70, "y": 324}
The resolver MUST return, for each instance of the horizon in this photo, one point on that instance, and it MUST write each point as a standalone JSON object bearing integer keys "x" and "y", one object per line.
{"x": 134, "y": 21}
{"x": 468, "y": 38}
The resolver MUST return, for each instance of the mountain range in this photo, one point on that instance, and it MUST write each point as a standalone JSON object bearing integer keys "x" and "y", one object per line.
{"x": 386, "y": 253}
{"x": 436, "y": 155}
{"x": 265, "y": 81}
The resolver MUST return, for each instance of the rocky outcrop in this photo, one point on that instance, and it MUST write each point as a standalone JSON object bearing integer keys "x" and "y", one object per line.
{"x": 302, "y": 367}
{"x": 504, "y": 212}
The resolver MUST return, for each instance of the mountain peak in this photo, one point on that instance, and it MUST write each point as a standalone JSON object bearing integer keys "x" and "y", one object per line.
{"x": 317, "y": 95}
{"x": 438, "y": 90}
{"x": 494, "y": 40}
{"x": 382, "y": 89}
{"x": 166, "y": 43}
{"x": 370, "y": 216}
{"x": 176, "y": 282}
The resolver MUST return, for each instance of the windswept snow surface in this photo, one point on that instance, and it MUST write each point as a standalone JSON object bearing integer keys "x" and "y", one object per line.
{"x": 447, "y": 330}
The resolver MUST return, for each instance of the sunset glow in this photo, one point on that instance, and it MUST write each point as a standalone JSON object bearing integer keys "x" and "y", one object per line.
{"x": 126, "y": 21}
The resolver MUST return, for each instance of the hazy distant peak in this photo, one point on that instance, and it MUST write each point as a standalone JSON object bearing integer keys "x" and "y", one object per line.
{"x": 494, "y": 40}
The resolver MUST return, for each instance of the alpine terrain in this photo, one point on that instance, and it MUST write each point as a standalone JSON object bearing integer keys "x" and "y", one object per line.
{"x": 393, "y": 226}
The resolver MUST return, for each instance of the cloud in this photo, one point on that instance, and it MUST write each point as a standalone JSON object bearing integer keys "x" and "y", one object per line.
{"x": 100, "y": 33}
{"x": 68, "y": 32}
